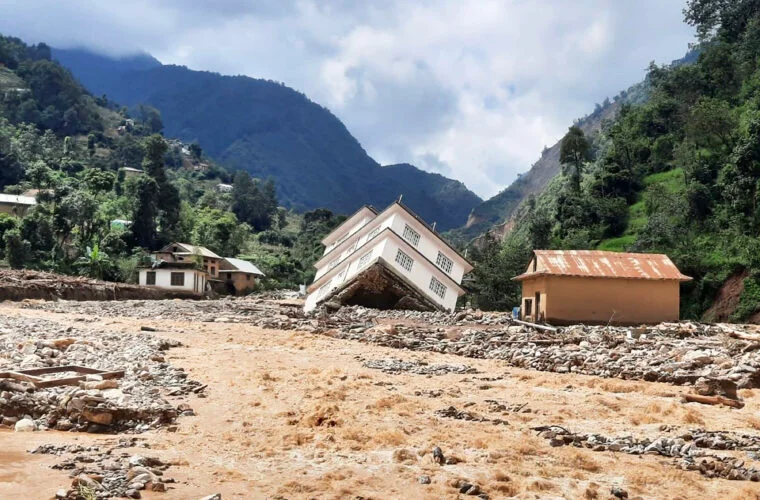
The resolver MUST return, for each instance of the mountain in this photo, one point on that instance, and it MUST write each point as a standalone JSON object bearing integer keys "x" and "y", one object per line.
{"x": 271, "y": 131}
{"x": 495, "y": 214}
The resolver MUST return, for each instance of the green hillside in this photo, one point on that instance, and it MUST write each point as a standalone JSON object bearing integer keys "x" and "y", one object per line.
{"x": 270, "y": 131}
{"x": 69, "y": 149}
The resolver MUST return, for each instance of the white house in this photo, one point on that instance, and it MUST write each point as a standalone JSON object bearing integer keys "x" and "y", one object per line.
{"x": 181, "y": 266}
{"x": 175, "y": 276}
{"x": 399, "y": 241}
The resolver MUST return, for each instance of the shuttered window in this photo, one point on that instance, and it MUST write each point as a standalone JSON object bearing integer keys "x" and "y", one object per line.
{"x": 411, "y": 235}
{"x": 437, "y": 287}
{"x": 444, "y": 263}
{"x": 150, "y": 278}
{"x": 404, "y": 260}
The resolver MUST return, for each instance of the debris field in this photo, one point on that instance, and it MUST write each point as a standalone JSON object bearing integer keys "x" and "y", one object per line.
{"x": 682, "y": 382}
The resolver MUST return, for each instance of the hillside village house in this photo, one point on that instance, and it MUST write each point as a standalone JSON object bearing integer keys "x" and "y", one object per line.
{"x": 16, "y": 204}
{"x": 388, "y": 259}
{"x": 192, "y": 267}
{"x": 132, "y": 172}
{"x": 590, "y": 286}
{"x": 185, "y": 253}
{"x": 175, "y": 275}
{"x": 239, "y": 275}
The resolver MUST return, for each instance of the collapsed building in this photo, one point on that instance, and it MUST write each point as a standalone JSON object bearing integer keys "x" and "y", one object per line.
{"x": 388, "y": 260}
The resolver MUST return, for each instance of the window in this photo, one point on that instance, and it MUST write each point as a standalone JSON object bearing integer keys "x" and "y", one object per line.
{"x": 150, "y": 278}
{"x": 340, "y": 276}
{"x": 350, "y": 249}
{"x": 404, "y": 260}
{"x": 213, "y": 271}
{"x": 373, "y": 233}
{"x": 437, "y": 287}
{"x": 411, "y": 235}
{"x": 365, "y": 259}
{"x": 444, "y": 263}
{"x": 178, "y": 279}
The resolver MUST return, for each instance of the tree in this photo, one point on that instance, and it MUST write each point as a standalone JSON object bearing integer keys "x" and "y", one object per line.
{"x": 219, "y": 231}
{"x": 16, "y": 248}
{"x": 168, "y": 197}
{"x": 574, "y": 151}
{"x": 495, "y": 266}
{"x": 195, "y": 150}
{"x": 252, "y": 202}
{"x": 143, "y": 192}
{"x": 96, "y": 264}
{"x": 151, "y": 117}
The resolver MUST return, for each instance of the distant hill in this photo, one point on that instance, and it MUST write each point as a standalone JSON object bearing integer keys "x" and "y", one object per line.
{"x": 270, "y": 130}
{"x": 494, "y": 215}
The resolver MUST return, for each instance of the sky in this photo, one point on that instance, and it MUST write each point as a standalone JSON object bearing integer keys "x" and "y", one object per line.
{"x": 470, "y": 89}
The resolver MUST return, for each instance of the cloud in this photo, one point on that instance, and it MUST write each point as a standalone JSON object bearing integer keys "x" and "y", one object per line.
{"x": 474, "y": 90}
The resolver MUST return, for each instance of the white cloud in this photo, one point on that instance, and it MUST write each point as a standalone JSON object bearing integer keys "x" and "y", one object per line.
{"x": 470, "y": 89}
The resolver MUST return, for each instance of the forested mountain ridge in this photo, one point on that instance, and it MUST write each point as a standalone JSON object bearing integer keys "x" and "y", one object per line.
{"x": 495, "y": 214}
{"x": 96, "y": 214}
{"x": 271, "y": 131}
{"x": 678, "y": 174}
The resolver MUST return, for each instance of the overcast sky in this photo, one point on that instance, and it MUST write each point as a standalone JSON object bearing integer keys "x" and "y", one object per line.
{"x": 471, "y": 89}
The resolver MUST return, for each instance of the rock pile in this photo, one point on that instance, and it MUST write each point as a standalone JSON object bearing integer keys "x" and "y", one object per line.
{"x": 416, "y": 367}
{"x": 672, "y": 353}
{"x": 688, "y": 448}
{"x": 676, "y": 353}
{"x": 133, "y": 403}
{"x": 104, "y": 472}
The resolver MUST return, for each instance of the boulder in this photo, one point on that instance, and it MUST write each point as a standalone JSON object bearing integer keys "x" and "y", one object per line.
{"x": 25, "y": 425}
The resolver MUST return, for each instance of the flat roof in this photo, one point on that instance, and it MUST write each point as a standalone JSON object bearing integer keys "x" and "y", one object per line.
{"x": 17, "y": 199}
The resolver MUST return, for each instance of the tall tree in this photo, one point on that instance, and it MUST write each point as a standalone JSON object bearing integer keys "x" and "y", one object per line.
{"x": 168, "y": 196}
{"x": 574, "y": 152}
{"x": 143, "y": 192}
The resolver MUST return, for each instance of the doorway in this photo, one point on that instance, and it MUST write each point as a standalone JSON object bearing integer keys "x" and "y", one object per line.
{"x": 538, "y": 306}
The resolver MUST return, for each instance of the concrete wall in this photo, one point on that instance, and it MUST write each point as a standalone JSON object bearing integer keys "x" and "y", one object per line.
{"x": 242, "y": 282}
{"x": 420, "y": 274}
{"x": 427, "y": 246}
{"x": 566, "y": 299}
{"x": 195, "y": 281}
{"x": 17, "y": 209}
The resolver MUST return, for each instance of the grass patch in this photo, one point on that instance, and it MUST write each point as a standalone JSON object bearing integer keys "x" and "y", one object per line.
{"x": 620, "y": 244}
{"x": 672, "y": 180}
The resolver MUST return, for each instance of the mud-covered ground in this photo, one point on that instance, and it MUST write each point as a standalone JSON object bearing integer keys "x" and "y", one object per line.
{"x": 295, "y": 414}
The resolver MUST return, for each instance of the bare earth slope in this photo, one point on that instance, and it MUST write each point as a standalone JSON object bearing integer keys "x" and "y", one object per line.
{"x": 291, "y": 414}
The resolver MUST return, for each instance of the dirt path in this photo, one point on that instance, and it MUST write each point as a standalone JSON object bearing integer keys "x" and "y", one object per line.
{"x": 296, "y": 415}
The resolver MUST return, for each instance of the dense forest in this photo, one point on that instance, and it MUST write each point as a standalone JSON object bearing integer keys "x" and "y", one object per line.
{"x": 678, "y": 174}
{"x": 70, "y": 150}
{"x": 271, "y": 131}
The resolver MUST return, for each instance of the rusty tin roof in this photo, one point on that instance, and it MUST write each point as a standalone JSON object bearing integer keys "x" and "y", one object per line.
{"x": 599, "y": 264}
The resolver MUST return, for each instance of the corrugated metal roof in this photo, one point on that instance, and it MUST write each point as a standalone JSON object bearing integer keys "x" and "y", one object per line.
{"x": 191, "y": 249}
{"x": 17, "y": 199}
{"x": 242, "y": 266}
{"x": 599, "y": 264}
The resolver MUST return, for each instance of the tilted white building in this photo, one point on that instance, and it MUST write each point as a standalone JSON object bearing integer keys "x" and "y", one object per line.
{"x": 412, "y": 258}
